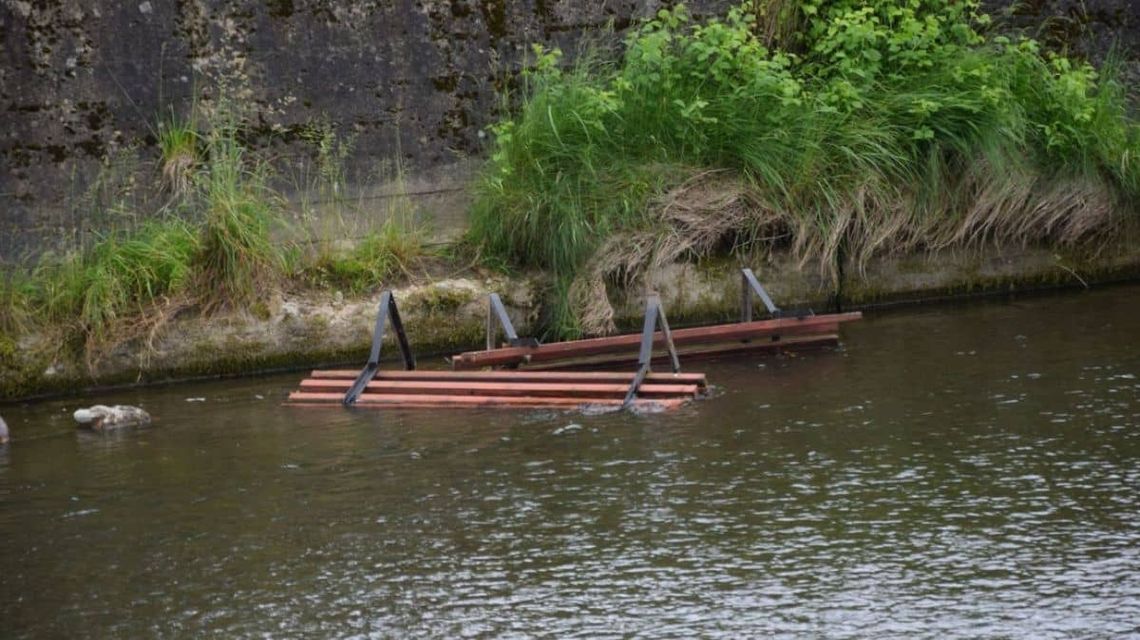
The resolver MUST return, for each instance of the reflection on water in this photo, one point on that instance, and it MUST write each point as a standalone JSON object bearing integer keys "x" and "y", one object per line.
{"x": 967, "y": 472}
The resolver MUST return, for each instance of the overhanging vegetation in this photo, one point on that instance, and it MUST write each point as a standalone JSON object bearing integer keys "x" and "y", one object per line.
{"x": 836, "y": 129}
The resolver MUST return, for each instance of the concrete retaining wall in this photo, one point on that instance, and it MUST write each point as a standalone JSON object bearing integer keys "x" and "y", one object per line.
{"x": 409, "y": 82}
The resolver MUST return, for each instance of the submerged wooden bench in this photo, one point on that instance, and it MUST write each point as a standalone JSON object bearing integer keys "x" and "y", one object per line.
{"x": 740, "y": 336}
{"x": 504, "y": 389}
{"x": 522, "y": 386}
{"x": 411, "y": 388}
{"x": 775, "y": 334}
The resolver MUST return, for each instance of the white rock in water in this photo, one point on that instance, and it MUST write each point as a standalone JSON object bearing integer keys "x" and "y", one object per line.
{"x": 3, "y": 431}
{"x": 570, "y": 428}
{"x": 101, "y": 417}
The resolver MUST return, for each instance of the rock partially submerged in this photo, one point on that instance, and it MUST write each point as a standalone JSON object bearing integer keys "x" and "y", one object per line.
{"x": 3, "y": 431}
{"x": 102, "y": 418}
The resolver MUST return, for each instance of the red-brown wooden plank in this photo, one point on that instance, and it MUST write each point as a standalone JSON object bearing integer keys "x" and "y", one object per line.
{"x": 514, "y": 376}
{"x": 536, "y": 389}
{"x": 298, "y": 398}
{"x": 687, "y": 354}
{"x": 694, "y": 335}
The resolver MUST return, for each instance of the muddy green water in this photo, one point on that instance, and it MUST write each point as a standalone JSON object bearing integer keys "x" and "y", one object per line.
{"x": 962, "y": 472}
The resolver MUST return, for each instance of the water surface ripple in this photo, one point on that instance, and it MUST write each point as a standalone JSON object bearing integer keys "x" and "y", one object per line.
{"x": 953, "y": 473}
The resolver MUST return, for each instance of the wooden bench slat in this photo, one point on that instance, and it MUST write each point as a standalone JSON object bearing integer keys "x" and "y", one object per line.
{"x": 574, "y": 389}
{"x": 616, "y": 377}
{"x": 687, "y": 354}
{"x": 299, "y": 398}
{"x": 822, "y": 324}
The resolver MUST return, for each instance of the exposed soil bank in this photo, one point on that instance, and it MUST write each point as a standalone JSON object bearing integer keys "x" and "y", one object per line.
{"x": 301, "y": 330}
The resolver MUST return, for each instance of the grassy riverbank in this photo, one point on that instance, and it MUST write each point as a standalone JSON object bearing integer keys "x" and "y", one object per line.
{"x": 836, "y": 130}
{"x": 223, "y": 240}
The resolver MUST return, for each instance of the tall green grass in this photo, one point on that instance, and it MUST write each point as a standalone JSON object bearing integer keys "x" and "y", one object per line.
{"x": 17, "y": 295}
{"x": 365, "y": 260}
{"x": 215, "y": 248}
{"x": 223, "y": 242}
{"x": 122, "y": 275}
{"x": 240, "y": 259}
{"x": 866, "y": 127}
{"x": 371, "y": 260}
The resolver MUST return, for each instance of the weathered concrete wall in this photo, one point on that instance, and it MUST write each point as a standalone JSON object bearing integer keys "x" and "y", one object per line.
{"x": 414, "y": 81}
{"x": 83, "y": 83}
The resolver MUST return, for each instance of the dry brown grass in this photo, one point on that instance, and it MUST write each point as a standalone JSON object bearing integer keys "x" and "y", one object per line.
{"x": 178, "y": 172}
{"x": 716, "y": 211}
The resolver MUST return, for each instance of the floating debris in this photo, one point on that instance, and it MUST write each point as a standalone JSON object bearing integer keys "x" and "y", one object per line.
{"x": 103, "y": 418}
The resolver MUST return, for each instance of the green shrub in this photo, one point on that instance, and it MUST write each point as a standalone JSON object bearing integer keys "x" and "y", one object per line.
{"x": 863, "y": 127}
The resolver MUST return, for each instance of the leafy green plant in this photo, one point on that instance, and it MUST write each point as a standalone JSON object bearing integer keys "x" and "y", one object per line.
{"x": 870, "y": 126}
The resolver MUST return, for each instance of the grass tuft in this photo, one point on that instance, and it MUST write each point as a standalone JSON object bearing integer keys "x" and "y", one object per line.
{"x": 239, "y": 260}
{"x": 223, "y": 243}
{"x": 95, "y": 293}
{"x": 371, "y": 261}
{"x": 178, "y": 141}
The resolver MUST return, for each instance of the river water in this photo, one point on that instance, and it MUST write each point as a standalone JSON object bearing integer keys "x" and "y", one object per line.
{"x": 968, "y": 472}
